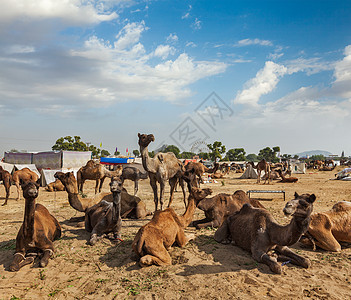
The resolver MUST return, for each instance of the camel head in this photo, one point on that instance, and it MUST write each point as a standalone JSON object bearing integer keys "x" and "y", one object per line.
{"x": 301, "y": 206}
{"x": 30, "y": 189}
{"x": 189, "y": 176}
{"x": 68, "y": 180}
{"x": 200, "y": 194}
{"x": 116, "y": 185}
{"x": 145, "y": 139}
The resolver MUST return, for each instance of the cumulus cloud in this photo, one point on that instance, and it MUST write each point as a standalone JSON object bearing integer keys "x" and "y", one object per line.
{"x": 172, "y": 38}
{"x": 164, "y": 51}
{"x": 249, "y": 42}
{"x": 342, "y": 74}
{"x": 265, "y": 81}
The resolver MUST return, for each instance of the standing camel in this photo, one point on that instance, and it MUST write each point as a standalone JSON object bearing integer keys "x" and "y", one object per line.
{"x": 262, "y": 166}
{"x": 97, "y": 172}
{"x": 23, "y": 175}
{"x": 162, "y": 167}
{"x": 134, "y": 174}
{"x": 5, "y": 177}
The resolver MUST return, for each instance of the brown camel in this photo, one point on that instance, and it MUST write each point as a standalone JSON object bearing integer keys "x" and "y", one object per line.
{"x": 55, "y": 186}
{"x": 263, "y": 166}
{"x": 105, "y": 217}
{"x": 255, "y": 230}
{"x": 23, "y": 175}
{"x": 199, "y": 168}
{"x": 97, "y": 172}
{"x": 162, "y": 167}
{"x": 214, "y": 169}
{"x": 131, "y": 206}
{"x": 286, "y": 179}
{"x": 329, "y": 228}
{"x": 326, "y": 168}
{"x": 134, "y": 174}
{"x": 165, "y": 228}
{"x": 5, "y": 177}
{"x": 219, "y": 207}
{"x": 37, "y": 233}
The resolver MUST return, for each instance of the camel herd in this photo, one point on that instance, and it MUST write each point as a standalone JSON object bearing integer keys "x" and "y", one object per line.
{"x": 240, "y": 220}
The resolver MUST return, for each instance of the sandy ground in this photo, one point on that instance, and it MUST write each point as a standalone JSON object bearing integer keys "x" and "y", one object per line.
{"x": 203, "y": 269}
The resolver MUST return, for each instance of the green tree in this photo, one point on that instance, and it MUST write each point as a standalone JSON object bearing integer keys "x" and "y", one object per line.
{"x": 152, "y": 154}
{"x": 172, "y": 148}
{"x": 116, "y": 153}
{"x": 236, "y": 154}
{"x": 286, "y": 156}
{"x": 136, "y": 153}
{"x": 204, "y": 155}
{"x": 317, "y": 157}
{"x": 269, "y": 154}
{"x": 217, "y": 149}
{"x": 252, "y": 157}
{"x": 187, "y": 155}
{"x": 13, "y": 151}
{"x": 105, "y": 153}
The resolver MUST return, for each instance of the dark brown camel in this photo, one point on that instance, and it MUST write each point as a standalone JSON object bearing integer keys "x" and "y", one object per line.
{"x": 219, "y": 207}
{"x": 134, "y": 174}
{"x": 255, "y": 230}
{"x": 23, "y": 175}
{"x": 5, "y": 177}
{"x": 286, "y": 179}
{"x": 105, "y": 217}
{"x": 37, "y": 233}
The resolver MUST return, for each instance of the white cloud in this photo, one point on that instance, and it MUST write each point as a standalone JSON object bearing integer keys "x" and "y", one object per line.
{"x": 342, "y": 74}
{"x": 310, "y": 66}
{"x": 197, "y": 24}
{"x": 185, "y": 16}
{"x": 190, "y": 44}
{"x": 265, "y": 81}
{"x": 129, "y": 35}
{"x": 249, "y": 42}
{"x": 164, "y": 51}
{"x": 172, "y": 38}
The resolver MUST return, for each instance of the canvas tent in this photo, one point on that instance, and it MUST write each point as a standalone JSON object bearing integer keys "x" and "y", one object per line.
{"x": 47, "y": 176}
{"x": 7, "y": 167}
{"x": 250, "y": 173}
{"x": 298, "y": 168}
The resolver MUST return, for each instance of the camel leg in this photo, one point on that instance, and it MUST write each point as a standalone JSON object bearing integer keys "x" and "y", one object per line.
{"x": 96, "y": 185}
{"x": 181, "y": 239}
{"x": 136, "y": 186}
{"x": 80, "y": 186}
{"x": 18, "y": 190}
{"x": 101, "y": 183}
{"x": 162, "y": 192}
{"x": 213, "y": 223}
{"x": 46, "y": 256}
{"x": 294, "y": 258}
{"x": 154, "y": 189}
{"x": 157, "y": 255}
{"x": 172, "y": 182}
{"x": 259, "y": 176}
{"x": 182, "y": 185}
{"x": 222, "y": 234}
{"x": 325, "y": 239}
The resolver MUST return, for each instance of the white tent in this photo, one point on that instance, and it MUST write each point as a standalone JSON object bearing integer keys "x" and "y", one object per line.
{"x": 47, "y": 175}
{"x": 7, "y": 167}
{"x": 298, "y": 168}
{"x": 29, "y": 166}
{"x": 250, "y": 173}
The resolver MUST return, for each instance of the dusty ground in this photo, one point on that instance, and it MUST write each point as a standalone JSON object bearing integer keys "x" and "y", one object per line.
{"x": 203, "y": 269}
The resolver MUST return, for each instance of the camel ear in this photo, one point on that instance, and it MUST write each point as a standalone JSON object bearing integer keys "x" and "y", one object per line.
{"x": 139, "y": 135}
{"x": 312, "y": 198}
{"x": 296, "y": 195}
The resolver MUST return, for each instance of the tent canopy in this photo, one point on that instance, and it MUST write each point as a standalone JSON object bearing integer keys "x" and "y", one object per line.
{"x": 29, "y": 166}
{"x": 7, "y": 167}
{"x": 250, "y": 173}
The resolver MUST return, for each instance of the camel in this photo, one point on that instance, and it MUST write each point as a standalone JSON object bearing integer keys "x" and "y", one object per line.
{"x": 55, "y": 186}
{"x": 327, "y": 162}
{"x": 162, "y": 167}
{"x": 326, "y": 168}
{"x": 286, "y": 179}
{"x": 262, "y": 166}
{"x": 105, "y": 217}
{"x": 219, "y": 207}
{"x": 329, "y": 228}
{"x": 131, "y": 206}
{"x": 97, "y": 172}
{"x": 199, "y": 168}
{"x": 37, "y": 233}
{"x": 165, "y": 228}
{"x": 255, "y": 230}
{"x": 23, "y": 175}
{"x": 5, "y": 177}
{"x": 214, "y": 169}
{"x": 134, "y": 174}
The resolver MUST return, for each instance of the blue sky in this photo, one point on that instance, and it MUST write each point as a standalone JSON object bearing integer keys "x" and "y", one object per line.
{"x": 280, "y": 72}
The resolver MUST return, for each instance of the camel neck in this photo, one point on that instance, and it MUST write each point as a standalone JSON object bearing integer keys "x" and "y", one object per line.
{"x": 290, "y": 234}
{"x": 116, "y": 204}
{"x": 75, "y": 201}
{"x": 28, "y": 222}
{"x": 147, "y": 161}
{"x": 189, "y": 213}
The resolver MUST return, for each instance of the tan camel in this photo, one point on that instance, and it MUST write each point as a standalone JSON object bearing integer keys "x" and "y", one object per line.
{"x": 105, "y": 217}
{"x": 165, "y": 228}
{"x": 329, "y": 228}
{"x": 5, "y": 177}
{"x": 286, "y": 179}
{"x": 55, "y": 186}
{"x": 23, "y": 175}
{"x": 132, "y": 206}
{"x": 263, "y": 166}
{"x": 162, "y": 167}
{"x": 97, "y": 172}
{"x": 219, "y": 207}
{"x": 255, "y": 230}
{"x": 199, "y": 168}
{"x": 37, "y": 233}
{"x": 133, "y": 174}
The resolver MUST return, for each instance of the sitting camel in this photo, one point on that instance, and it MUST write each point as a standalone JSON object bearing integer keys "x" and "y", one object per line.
{"x": 165, "y": 228}
{"x": 105, "y": 217}
{"x": 219, "y": 207}
{"x": 255, "y": 230}
{"x": 131, "y": 206}
{"x": 329, "y": 228}
{"x": 5, "y": 177}
{"x": 55, "y": 186}
{"x": 134, "y": 174}
{"x": 97, "y": 172}
{"x": 286, "y": 179}
{"x": 37, "y": 233}
{"x": 23, "y": 175}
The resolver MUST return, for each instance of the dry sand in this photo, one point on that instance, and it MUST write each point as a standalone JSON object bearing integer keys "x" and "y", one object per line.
{"x": 203, "y": 269}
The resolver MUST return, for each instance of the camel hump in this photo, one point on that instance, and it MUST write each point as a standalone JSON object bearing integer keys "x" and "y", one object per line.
{"x": 342, "y": 206}
{"x": 320, "y": 220}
